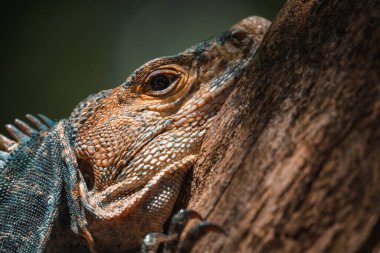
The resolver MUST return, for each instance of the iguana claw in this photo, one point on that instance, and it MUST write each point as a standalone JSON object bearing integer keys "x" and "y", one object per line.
{"x": 172, "y": 242}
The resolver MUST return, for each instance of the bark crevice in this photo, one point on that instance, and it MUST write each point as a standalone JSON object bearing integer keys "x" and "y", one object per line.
{"x": 293, "y": 163}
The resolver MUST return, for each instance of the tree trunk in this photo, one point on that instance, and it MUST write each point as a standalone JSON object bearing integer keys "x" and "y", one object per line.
{"x": 292, "y": 163}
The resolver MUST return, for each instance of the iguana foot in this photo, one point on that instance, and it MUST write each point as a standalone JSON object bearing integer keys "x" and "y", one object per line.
{"x": 172, "y": 242}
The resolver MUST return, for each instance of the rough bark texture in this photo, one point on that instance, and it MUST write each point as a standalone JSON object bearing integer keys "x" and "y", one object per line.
{"x": 293, "y": 162}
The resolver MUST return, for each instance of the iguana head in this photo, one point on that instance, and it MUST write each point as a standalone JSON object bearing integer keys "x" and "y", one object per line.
{"x": 134, "y": 144}
{"x": 169, "y": 97}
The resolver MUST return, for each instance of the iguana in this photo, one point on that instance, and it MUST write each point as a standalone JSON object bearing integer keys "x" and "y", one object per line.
{"x": 110, "y": 174}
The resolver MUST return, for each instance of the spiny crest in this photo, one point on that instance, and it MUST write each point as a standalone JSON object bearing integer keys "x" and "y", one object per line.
{"x": 22, "y": 133}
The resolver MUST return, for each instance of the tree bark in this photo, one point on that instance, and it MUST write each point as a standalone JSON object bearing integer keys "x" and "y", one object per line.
{"x": 292, "y": 163}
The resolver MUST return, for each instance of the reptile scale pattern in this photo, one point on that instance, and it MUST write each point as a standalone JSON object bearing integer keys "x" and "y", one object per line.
{"x": 108, "y": 175}
{"x": 30, "y": 190}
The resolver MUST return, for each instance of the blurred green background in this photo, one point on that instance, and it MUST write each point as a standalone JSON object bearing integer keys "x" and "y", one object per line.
{"x": 56, "y": 53}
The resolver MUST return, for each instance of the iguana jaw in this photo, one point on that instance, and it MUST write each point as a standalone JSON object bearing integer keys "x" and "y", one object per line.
{"x": 138, "y": 142}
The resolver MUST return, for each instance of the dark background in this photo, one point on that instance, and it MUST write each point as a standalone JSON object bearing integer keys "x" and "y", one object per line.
{"x": 56, "y": 53}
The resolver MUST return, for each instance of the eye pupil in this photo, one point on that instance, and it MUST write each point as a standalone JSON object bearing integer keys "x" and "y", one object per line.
{"x": 160, "y": 82}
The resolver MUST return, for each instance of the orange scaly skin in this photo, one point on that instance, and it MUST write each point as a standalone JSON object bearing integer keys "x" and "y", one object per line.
{"x": 123, "y": 153}
{"x": 140, "y": 139}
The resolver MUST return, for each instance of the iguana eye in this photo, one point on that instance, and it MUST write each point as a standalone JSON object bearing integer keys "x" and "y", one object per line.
{"x": 161, "y": 82}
